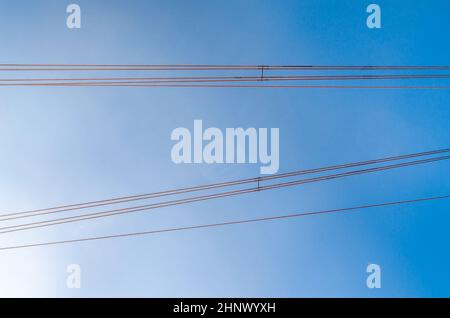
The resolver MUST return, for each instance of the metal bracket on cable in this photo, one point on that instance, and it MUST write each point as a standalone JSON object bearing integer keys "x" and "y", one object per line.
{"x": 262, "y": 72}
{"x": 258, "y": 180}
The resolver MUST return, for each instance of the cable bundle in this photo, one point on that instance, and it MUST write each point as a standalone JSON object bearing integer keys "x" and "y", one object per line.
{"x": 216, "y": 191}
{"x": 225, "y": 76}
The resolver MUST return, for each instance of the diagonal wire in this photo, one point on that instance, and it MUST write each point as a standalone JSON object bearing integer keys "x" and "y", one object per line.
{"x": 96, "y": 215}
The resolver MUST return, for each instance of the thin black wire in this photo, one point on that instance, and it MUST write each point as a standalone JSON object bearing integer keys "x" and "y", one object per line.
{"x": 210, "y": 225}
{"x": 84, "y": 205}
{"x": 95, "y": 215}
{"x": 378, "y": 87}
{"x": 201, "y": 67}
{"x": 211, "y": 79}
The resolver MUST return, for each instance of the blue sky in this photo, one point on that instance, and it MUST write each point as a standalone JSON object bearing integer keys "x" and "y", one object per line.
{"x": 64, "y": 145}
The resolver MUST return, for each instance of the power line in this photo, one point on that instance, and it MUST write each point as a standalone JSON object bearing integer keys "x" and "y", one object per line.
{"x": 201, "y": 67}
{"x": 212, "y": 79}
{"x": 96, "y": 215}
{"x": 223, "y": 81}
{"x": 210, "y": 225}
{"x": 123, "y": 199}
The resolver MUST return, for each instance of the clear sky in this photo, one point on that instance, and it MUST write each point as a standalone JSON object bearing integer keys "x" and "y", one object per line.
{"x": 65, "y": 145}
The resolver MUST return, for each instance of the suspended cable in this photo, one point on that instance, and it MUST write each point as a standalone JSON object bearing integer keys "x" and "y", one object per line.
{"x": 123, "y": 199}
{"x": 395, "y": 87}
{"x": 202, "y": 67}
{"x": 211, "y": 225}
{"x": 212, "y": 79}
